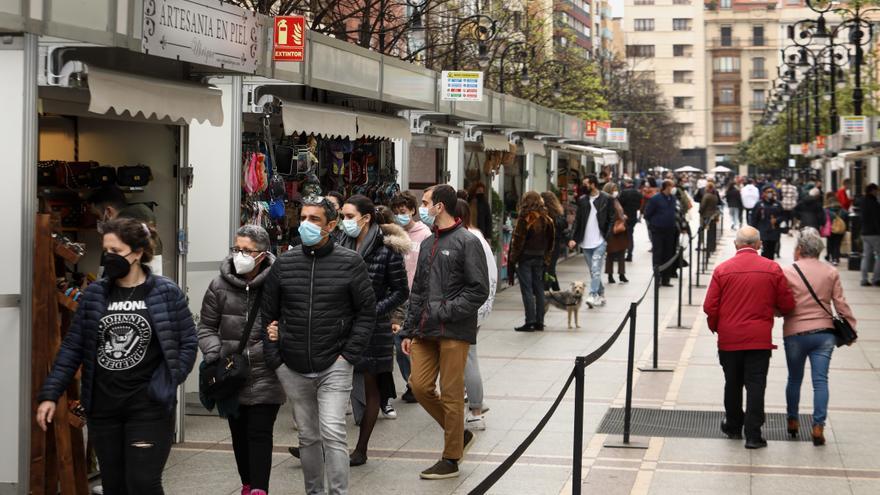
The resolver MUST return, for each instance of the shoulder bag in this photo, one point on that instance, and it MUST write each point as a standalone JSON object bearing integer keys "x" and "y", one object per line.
{"x": 843, "y": 331}
{"x": 226, "y": 376}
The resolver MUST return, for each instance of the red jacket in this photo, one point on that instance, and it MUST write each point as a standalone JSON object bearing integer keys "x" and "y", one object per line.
{"x": 843, "y": 197}
{"x": 745, "y": 293}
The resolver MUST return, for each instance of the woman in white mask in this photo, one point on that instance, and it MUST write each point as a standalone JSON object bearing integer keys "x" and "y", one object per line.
{"x": 225, "y": 309}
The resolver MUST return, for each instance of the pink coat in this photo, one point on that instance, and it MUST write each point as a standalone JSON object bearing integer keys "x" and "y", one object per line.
{"x": 417, "y": 233}
{"x": 807, "y": 315}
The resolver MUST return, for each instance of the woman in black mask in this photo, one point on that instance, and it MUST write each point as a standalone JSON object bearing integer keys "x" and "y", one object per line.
{"x": 135, "y": 338}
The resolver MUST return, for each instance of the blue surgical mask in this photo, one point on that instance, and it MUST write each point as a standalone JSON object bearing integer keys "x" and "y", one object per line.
{"x": 425, "y": 215}
{"x": 310, "y": 233}
{"x": 403, "y": 219}
{"x": 351, "y": 227}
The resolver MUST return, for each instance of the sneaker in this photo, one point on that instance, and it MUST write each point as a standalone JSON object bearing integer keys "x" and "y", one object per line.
{"x": 408, "y": 396}
{"x": 245, "y": 489}
{"x": 477, "y": 423}
{"x": 388, "y": 411}
{"x": 468, "y": 440}
{"x": 443, "y": 469}
{"x": 600, "y": 301}
{"x": 591, "y": 301}
{"x": 528, "y": 327}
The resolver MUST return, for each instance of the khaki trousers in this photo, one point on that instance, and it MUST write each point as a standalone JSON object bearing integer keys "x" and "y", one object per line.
{"x": 446, "y": 358}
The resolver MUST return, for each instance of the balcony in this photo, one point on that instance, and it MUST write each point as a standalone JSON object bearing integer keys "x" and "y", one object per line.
{"x": 757, "y": 106}
{"x": 758, "y": 74}
{"x": 726, "y": 75}
{"x": 725, "y": 43}
{"x": 727, "y": 138}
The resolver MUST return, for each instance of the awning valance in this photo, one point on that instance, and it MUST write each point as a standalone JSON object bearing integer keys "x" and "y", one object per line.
{"x": 153, "y": 97}
{"x": 534, "y": 147}
{"x": 377, "y": 126}
{"x": 310, "y": 119}
{"x": 495, "y": 142}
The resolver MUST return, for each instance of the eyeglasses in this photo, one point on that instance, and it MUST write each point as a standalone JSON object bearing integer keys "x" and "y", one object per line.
{"x": 236, "y": 250}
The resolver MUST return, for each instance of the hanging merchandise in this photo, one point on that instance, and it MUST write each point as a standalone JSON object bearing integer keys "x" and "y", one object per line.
{"x": 134, "y": 176}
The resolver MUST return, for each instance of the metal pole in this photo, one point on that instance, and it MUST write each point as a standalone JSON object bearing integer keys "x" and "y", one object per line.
{"x": 630, "y": 358}
{"x": 656, "y": 313}
{"x": 699, "y": 251}
{"x": 579, "y": 365}
{"x": 680, "y": 283}
{"x": 690, "y": 270}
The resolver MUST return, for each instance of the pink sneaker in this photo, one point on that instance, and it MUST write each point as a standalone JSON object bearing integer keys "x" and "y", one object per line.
{"x": 246, "y": 490}
{"x": 258, "y": 492}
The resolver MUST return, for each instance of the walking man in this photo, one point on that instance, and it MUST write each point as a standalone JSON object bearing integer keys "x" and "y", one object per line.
{"x": 591, "y": 231}
{"x": 660, "y": 213}
{"x": 744, "y": 294}
{"x": 321, "y": 298}
{"x": 789, "y": 200}
{"x": 767, "y": 216}
{"x": 750, "y": 196}
{"x": 631, "y": 200}
{"x": 870, "y": 235}
{"x": 450, "y": 286}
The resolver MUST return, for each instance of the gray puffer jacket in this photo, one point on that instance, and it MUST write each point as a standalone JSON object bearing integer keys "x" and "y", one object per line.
{"x": 223, "y": 318}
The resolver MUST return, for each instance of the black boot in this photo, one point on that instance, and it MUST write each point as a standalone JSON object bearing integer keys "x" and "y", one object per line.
{"x": 623, "y": 279}
{"x": 611, "y": 279}
{"x": 528, "y": 327}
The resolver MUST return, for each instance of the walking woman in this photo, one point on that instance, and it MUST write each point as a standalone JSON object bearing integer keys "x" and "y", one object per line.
{"x": 560, "y": 225}
{"x": 838, "y": 227}
{"x": 382, "y": 248}
{"x": 618, "y": 244}
{"x": 230, "y": 298}
{"x": 530, "y": 252}
{"x": 135, "y": 338}
{"x": 808, "y": 329}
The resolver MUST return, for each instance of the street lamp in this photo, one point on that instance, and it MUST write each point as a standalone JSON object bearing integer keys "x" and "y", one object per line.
{"x": 519, "y": 52}
{"x": 482, "y": 32}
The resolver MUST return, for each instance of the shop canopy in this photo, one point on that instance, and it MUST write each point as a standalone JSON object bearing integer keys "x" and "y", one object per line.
{"x": 153, "y": 97}
{"x": 495, "y": 142}
{"x": 313, "y": 119}
{"x": 377, "y": 126}
{"x": 533, "y": 146}
{"x": 608, "y": 157}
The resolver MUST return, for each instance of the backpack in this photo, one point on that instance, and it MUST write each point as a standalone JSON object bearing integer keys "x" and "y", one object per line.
{"x": 838, "y": 225}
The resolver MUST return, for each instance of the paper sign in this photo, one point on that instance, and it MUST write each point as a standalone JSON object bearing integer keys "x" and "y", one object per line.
{"x": 461, "y": 85}
{"x": 853, "y": 125}
{"x": 289, "y": 38}
{"x": 616, "y": 135}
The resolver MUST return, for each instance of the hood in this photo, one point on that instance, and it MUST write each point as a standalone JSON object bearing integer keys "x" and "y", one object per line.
{"x": 395, "y": 237}
{"x": 227, "y": 270}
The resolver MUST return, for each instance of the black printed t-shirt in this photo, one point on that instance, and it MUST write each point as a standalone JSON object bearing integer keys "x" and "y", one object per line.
{"x": 128, "y": 354}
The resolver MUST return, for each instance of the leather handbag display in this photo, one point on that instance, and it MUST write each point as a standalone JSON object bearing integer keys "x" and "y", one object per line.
{"x": 134, "y": 176}
{"x": 843, "y": 331}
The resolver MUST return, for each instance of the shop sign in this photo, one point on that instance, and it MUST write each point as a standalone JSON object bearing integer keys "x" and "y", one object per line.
{"x": 616, "y": 135}
{"x": 853, "y": 125}
{"x": 204, "y": 32}
{"x": 794, "y": 149}
{"x": 461, "y": 85}
{"x": 289, "y": 38}
{"x": 591, "y": 129}
{"x": 820, "y": 144}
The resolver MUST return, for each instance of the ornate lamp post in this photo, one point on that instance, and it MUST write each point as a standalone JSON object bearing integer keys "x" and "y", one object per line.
{"x": 521, "y": 53}
{"x": 485, "y": 28}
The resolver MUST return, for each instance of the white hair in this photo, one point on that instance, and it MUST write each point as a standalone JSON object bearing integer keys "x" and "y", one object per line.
{"x": 809, "y": 243}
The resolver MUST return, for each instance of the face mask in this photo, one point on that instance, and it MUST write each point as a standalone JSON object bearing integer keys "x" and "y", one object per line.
{"x": 243, "y": 263}
{"x": 310, "y": 233}
{"x": 115, "y": 266}
{"x": 615, "y": 194}
{"x": 351, "y": 227}
{"x": 403, "y": 219}
{"x": 425, "y": 215}
{"x": 673, "y": 191}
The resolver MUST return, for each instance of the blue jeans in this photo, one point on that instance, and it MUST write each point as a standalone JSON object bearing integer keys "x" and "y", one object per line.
{"x": 735, "y": 216}
{"x": 595, "y": 258}
{"x": 818, "y": 347}
{"x": 531, "y": 283}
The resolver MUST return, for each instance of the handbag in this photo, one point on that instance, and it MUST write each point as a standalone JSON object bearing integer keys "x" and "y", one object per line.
{"x": 825, "y": 231}
{"x": 844, "y": 332}
{"x": 102, "y": 176}
{"x": 619, "y": 225}
{"x": 134, "y": 176}
{"x": 226, "y": 376}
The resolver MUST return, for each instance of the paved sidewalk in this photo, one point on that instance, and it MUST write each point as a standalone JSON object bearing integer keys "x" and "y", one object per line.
{"x": 523, "y": 373}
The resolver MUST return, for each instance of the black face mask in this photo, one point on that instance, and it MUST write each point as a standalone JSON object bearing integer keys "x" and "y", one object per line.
{"x": 115, "y": 266}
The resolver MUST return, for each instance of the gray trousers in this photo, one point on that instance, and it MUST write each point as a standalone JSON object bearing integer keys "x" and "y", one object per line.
{"x": 319, "y": 405}
{"x": 473, "y": 381}
{"x": 870, "y": 245}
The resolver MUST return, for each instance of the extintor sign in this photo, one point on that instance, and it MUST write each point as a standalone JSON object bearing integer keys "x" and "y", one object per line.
{"x": 290, "y": 38}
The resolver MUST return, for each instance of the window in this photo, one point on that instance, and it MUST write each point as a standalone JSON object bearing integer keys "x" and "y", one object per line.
{"x": 727, "y": 126}
{"x": 682, "y": 50}
{"x": 683, "y": 76}
{"x": 758, "y": 99}
{"x": 727, "y": 96}
{"x": 758, "y": 70}
{"x": 682, "y": 102}
{"x": 643, "y": 2}
{"x": 726, "y": 36}
{"x": 726, "y": 64}
{"x": 643, "y": 24}
{"x": 725, "y": 4}
{"x": 681, "y": 24}
{"x": 757, "y": 35}
{"x": 640, "y": 51}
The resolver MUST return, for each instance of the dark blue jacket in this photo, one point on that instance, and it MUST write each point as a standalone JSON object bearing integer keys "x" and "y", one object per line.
{"x": 172, "y": 324}
{"x": 660, "y": 212}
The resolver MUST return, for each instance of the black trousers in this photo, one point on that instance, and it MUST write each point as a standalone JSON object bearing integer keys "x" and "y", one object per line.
{"x": 630, "y": 227}
{"x": 252, "y": 443}
{"x": 663, "y": 249}
{"x": 132, "y": 449}
{"x": 745, "y": 369}
{"x": 834, "y": 242}
{"x": 769, "y": 249}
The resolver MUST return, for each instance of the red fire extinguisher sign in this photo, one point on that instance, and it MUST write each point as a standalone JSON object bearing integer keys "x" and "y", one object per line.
{"x": 290, "y": 38}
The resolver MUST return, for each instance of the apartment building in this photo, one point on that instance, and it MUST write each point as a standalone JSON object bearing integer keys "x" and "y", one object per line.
{"x": 664, "y": 39}
{"x": 590, "y": 20}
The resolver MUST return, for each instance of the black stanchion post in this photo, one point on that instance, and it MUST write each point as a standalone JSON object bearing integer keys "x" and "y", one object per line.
{"x": 690, "y": 270}
{"x": 680, "y": 287}
{"x": 655, "y": 358}
{"x": 627, "y": 410}
{"x": 579, "y": 366}
{"x": 699, "y": 253}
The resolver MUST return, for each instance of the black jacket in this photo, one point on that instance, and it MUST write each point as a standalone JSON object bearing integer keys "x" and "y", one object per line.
{"x": 631, "y": 201}
{"x": 483, "y": 216}
{"x": 224, "y": 314}
{"x": 172, "y": 324}
{"x": 451, "y": 284}
{"x": 870, "y": 215}
{"x": 324, "y": 305}
{"x": 762, "y": 217}
{"x": 733, "y": 198}
{"x": 605, "y": 214}
{"x": 810, "y": 212}
{"x": 383, "y": 250}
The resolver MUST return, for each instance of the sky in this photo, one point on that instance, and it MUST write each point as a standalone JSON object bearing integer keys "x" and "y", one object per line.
{"x": 616, "y": 8}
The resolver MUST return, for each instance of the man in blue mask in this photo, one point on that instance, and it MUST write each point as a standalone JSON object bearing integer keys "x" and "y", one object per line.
{"x": 320, "y": 298}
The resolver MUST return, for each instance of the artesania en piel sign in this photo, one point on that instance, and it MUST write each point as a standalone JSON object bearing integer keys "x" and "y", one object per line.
{"x": 289, "y": 38}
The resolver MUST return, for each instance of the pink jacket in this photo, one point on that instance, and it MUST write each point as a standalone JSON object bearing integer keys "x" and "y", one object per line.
{"x": 807, "y": 315}
{"x": 417, "y": 233}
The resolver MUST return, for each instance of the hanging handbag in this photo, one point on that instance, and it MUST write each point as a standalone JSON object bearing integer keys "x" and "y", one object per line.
{"x": 134, "y": 176}
{"x": 844, "y": 332}
{"x": 226, "y": 376}
{"x": 102, "y": 176}
{"x": 619, "y": 225}
{"x": 825, "y": 231}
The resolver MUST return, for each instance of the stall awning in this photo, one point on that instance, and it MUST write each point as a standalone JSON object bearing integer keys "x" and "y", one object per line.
{"x": 533, "y": 146}
{"x": 310, "y": 119}
{"x": 376, "y": 126}
{"x": 858, "y": 155}
{"x": 153, "y": 97}
{"x": 495, "y": 142}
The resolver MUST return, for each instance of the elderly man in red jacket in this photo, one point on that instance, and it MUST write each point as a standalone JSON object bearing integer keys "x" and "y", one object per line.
{"x": 745, "y": 293}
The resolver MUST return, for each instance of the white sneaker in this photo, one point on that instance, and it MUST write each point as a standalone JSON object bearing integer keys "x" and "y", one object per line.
{"x": 600, "y": 300}
{"x": 477, "y": 423}
{"x": 388, "y": 411}
{"x": 591, "y": 301}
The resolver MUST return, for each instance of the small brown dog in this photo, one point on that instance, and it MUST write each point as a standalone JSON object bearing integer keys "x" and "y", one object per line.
{"x": 570, "y": 300}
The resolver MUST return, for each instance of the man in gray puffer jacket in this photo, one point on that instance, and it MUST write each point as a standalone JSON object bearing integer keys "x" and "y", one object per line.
{"x": 225, "y": 310}
{"x": 450, "y": 286}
